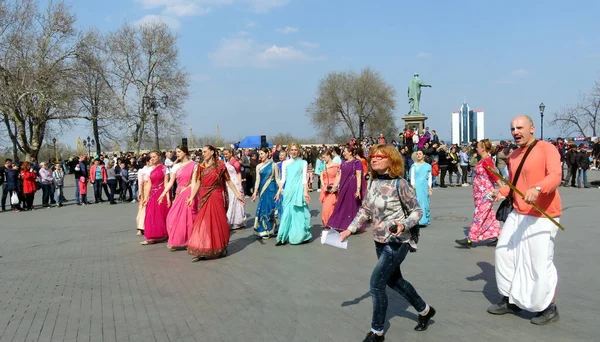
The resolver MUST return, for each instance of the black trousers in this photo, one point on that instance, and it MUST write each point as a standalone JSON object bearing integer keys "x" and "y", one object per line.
{"x": 46, "y": 194}
{"x": 443, "y": 171}
{"x": 112, "y": 185}
{"x": 5, "y": 193}
{"x": 465, "y": 176}
{"x": 28, "y": 200}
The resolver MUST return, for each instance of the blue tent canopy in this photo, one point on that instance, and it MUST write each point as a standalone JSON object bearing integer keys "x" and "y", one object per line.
{"x": 252, "y": 141}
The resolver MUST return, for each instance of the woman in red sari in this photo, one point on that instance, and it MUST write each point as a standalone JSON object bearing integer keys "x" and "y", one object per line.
{"x": 210, "y": 235}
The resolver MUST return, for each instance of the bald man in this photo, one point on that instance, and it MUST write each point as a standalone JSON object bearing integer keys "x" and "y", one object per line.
{"x": 525, "y": 270}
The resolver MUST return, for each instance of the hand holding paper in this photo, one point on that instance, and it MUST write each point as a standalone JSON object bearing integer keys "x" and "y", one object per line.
{"x": 333, "y": 238}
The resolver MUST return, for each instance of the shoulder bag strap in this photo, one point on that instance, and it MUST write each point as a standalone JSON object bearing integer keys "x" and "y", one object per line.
{"x": 521, "y": 167}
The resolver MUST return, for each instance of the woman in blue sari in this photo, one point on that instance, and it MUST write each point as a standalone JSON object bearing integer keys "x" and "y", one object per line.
{"x": 421, "y": 181}
{"x": 294, "y": 225}
{"x": 266, "y": 186}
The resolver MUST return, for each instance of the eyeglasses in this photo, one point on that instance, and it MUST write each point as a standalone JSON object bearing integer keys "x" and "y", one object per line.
{"x": 378, "y": 156}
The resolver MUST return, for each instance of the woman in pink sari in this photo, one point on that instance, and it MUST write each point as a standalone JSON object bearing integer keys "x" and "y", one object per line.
{"x": 210, "y": 236}
{"x": 180, "y": 219}
{"x": 155, "y": 222}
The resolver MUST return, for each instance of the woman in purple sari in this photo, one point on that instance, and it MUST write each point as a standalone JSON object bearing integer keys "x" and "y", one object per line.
{"x": 349, "y": 184}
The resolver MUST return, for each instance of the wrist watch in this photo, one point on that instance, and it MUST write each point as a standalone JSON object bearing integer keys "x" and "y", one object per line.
{"x": 538, "y": 188}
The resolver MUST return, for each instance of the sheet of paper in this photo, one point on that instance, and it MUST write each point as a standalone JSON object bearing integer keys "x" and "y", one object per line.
{"x": 332, "y": 238}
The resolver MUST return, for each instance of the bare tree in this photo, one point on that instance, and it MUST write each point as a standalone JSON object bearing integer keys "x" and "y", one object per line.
{"x": 37, "y": 48}
{"x": 351, "y": 104}
{"x": 143, "y": 61}
{"x": 92, "y": 88}
{"x": 582, "y": 119}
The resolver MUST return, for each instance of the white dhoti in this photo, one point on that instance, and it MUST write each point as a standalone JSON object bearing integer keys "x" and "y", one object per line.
{"x": 525, "y": 270}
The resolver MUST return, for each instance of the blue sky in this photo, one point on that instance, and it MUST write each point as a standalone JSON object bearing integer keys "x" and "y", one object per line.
{"x": 256, "y": 64}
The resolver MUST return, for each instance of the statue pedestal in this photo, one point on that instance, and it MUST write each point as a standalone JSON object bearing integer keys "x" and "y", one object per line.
{"x": 415, "y": 122}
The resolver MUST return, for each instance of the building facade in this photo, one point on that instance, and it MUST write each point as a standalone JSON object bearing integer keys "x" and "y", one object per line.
{"x": 467, "y": 125}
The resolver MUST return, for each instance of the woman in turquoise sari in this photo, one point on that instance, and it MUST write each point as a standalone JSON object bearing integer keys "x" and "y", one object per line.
{"x": 294, "y": 223}
{"x": 420, "y": 179}
{"x": 266, "y": 187}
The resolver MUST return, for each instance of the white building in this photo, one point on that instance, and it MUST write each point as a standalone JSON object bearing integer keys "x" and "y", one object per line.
{"x": 467, "y": 125}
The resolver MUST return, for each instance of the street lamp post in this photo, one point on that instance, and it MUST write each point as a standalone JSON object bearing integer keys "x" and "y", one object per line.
{"x": 54, "y": 144}
{"x": 542, "y": 107}
{"x": 152, "y": 103}
{"x": 89, "y": 142}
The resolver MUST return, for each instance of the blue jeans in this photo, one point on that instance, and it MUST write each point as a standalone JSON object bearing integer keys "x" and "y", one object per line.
{"x": 77, "y": 191}
{"x": 58, "y": 194}
{"x": 434, "y": 182}
{"x": 134, "y": 187}
{"x": 387, "y": 273}
{"x": 582, "y": 172}
{"x": 504, "y": 172}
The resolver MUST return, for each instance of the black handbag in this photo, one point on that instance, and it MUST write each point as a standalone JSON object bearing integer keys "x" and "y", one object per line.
{"x": 507, "y": 205}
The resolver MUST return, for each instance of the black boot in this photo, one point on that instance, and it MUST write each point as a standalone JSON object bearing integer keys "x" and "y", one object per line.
{"x": 373, "y": 337}
{"x": 424, "y": 320}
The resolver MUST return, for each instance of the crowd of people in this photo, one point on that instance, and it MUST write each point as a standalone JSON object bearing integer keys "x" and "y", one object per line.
{"x": 192, "y": 200}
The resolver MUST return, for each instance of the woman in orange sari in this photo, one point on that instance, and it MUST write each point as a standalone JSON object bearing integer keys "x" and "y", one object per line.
{"x": 328, "y": 195}
{"x": 210, "y": 234}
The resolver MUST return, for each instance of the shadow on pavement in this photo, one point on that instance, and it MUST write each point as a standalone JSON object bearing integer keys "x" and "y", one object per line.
{"x": 487, "y": 274}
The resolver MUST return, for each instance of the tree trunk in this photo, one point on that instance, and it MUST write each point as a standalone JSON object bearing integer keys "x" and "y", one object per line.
{"x": 95, "y": 130}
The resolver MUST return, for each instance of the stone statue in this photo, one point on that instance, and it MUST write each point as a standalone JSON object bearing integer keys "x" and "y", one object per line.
{"x": 414, "y": 95}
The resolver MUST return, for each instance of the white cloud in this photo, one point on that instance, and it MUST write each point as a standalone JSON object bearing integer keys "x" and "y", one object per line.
{"x": 308, "y": 44}
{"x": 423, "y": 55}
{"x": 201, "y": 7}
{"x": 242, "y": 33}
{"x": 250, "y": 24}
{"x": 108, "y": 18}
{"x": 170, "y": 21}
{"x": 289, "y": 53}
{"x": 519, "y": 72}
{"x": 581, "y": 42}
{"x": 245, "y": 52}
{"x": 262, "y": 6}
{"x": 185, "y": 9}
{"x": 505, "y": 82}
{"x": 287, "y": 30}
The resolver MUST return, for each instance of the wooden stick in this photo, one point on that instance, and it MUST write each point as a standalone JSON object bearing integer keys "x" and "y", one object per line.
{"x": 535, "y": 206}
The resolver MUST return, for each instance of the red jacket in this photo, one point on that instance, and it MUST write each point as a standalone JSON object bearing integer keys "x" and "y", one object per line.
{"x": 93, "y": 173}
{"x": 28, "y": 178}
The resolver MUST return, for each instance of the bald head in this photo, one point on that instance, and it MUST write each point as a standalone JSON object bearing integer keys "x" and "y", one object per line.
{"x": 522, "y": 129}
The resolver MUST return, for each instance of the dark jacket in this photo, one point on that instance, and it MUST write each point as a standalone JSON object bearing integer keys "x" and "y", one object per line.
{"x": 12, "y": 180}
{"x": 583, "y": 160}
{"x": 2, "y": 175}
{"x": 443, "y": 160}
{"x": 571, "y": 158}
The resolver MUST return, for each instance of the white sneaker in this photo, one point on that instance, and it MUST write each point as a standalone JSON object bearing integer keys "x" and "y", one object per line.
{"x": 318, "y": 190}
{"x": 465, "y": 184}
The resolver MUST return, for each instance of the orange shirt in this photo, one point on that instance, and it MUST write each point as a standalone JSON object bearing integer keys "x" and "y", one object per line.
{"x": 542, "y": 168}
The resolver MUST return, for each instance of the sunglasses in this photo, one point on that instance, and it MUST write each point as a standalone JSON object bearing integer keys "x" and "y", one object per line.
{"x": 378, "y": 156}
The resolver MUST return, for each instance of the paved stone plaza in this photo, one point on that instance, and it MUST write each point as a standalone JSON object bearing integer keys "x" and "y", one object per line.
{"x": 79, "y": 274}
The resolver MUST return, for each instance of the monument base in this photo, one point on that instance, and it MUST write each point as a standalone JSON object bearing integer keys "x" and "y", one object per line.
{"x": 415, "y": 122}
